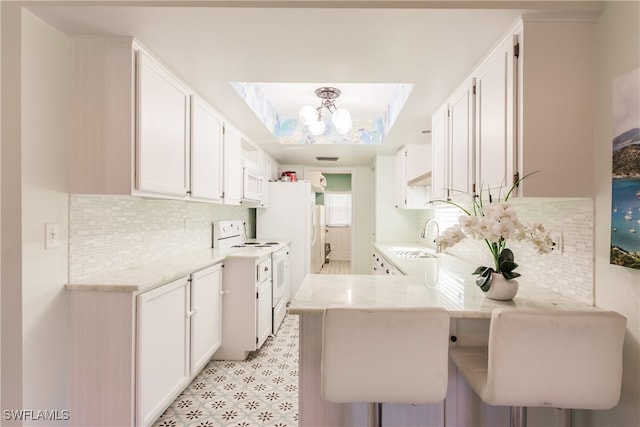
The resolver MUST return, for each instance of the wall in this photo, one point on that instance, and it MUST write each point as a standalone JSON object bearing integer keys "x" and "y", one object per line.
{"x": 338, "y": 182}
{"x": 45, "y": 118}
{"x": 109, "y": 233}
{"x": 11, "y": 216}
{"x": 616, "y": 288}
{"x": 391, "y": 224}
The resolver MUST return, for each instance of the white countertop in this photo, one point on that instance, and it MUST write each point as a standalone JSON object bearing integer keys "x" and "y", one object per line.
{"x": 444, "y": 281}
{"x": 144, "y": 277}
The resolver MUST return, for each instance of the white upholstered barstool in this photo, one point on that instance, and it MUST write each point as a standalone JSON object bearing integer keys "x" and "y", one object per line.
{"x": 385, "y": 355}
{"x": 541, "y": 358}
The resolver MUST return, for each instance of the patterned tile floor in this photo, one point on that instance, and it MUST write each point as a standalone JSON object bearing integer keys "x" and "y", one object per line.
{"x": 336, "y": 267}
{"x": 259, "y": 391}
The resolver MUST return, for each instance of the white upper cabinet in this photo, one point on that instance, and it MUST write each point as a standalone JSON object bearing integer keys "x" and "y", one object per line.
{"x": 102, "y": 87}
{"x": 138, "y": 129}
{"x": 130, "y": 132}
{"x": 206, "y": 151}
{"x": 413, "y": 176}
{"x": 233, "y": 165}
{"x": 440, "y": 154}
{"x": 162, "y": 143}
{"x": 530, "y": 111}
{"x": 495, "y": 118}
{"x": 452, "y": 145}
{"x": 460, "y": 137}
{"x": 401, "y": 178}
{"x": 556, "y": 77}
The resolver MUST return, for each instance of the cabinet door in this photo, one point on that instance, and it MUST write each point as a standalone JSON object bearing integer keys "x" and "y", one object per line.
{"x": 162, "y": 363}
{"x": 206, "y": 152}
{"x": 162, "y": 141}
{"x": 401, "y": 178}
{"x": 439, "y": 154}
{"x": 461, "y": 167}
{"x": 495, "y": 118}
{"x": 205, "y": 315}
{"x": 264, "y": 315}
{"x": 232, "y": 166}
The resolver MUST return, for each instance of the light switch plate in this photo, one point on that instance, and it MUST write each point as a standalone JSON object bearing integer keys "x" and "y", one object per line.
{"x": 51, "y": 235}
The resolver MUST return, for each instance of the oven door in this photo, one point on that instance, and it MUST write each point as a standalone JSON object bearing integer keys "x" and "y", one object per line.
{"x": 280, "y": 276}
{"x": 252, "y": 183}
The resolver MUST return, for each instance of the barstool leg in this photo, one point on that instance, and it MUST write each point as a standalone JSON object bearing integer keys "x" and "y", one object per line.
{"x": 375, "y": 415}
{"x": 518, "y": 416}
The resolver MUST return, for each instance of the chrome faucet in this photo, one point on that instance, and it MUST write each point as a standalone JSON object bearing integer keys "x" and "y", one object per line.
{"x": 425, "y": 230}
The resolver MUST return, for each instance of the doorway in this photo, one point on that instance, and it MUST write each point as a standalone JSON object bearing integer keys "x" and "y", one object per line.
{"x": 338, "y": 225}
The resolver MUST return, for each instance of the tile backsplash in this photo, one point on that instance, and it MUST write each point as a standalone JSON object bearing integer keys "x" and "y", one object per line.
{"x": 109, "y": 233}
{"x": 570, "y": 272}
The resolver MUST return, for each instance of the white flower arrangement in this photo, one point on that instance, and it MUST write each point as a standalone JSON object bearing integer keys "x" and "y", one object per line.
{"x": 495, "y": 223}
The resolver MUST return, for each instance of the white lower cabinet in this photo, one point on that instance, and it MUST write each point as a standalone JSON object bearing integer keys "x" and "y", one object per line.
{"x": 264, "y": 317}
{"x": 247, "y": 307}
{"x": 133, "y": 352}
{"x": 380, "y": 265}
{"x": 162, "y": 350}
{"x": 205, "y": 310}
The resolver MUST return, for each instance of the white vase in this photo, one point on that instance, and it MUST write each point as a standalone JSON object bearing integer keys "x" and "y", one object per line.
{"x": 502, "y": 289}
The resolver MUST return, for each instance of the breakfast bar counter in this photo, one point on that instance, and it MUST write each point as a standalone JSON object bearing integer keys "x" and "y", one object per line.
{"x": 459, "y": 295}
{"x": 444, "y": 283}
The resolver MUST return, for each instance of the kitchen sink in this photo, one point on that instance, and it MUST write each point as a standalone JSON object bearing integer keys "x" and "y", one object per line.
{"x": 414, "y": 254}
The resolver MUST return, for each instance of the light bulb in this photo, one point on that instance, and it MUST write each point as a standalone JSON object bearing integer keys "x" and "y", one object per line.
{"x": 341, "y": 119}
{"x": 317, "y": 127}
{"x": 308, "y": 115}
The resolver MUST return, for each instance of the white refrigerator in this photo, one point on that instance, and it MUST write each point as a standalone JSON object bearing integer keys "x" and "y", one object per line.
{"x": 290, "y": 217}
{"x": 319, "y": 239}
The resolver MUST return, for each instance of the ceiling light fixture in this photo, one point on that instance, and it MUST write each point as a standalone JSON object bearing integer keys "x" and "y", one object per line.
{"x": 312, "y": 116}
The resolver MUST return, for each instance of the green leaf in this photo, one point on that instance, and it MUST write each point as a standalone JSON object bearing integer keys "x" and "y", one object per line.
{"x": 484, "y": 279}
{"x": 481, "y": 270}
{"x": 510, "y": 275}
{"x": 516, "y": 184}
{"x": 508, "y": 266}
{"x": 506, "y": 255}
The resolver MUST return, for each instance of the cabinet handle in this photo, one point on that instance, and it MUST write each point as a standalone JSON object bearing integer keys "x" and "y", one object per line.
{"x": 192, "y": 312}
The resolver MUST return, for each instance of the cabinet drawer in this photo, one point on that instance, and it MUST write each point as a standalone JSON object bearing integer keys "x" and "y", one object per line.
{"x": 263, "y": 270}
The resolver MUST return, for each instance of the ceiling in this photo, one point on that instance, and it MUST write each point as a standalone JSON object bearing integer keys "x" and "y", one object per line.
{"x": 310, "y": 44}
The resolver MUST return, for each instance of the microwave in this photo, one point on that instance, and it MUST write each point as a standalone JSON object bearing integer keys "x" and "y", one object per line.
{"x": 252, "y": 185}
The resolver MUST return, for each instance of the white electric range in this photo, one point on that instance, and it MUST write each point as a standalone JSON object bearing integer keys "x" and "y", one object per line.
{"x": 255, "y": 289}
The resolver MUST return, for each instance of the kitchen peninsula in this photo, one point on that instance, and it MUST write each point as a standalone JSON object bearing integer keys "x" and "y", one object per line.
{"x": 445, "y": 282}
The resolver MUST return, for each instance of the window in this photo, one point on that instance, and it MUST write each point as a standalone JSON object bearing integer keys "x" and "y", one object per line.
{"x": 338, "y": 209}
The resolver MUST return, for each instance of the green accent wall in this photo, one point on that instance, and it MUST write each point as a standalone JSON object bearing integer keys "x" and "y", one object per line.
{"x": 338, "y": 181}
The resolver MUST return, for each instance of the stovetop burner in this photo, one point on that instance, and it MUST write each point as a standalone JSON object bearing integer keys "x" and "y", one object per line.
{"x": 256, "y": 245}
{"x": 232, "y": 234}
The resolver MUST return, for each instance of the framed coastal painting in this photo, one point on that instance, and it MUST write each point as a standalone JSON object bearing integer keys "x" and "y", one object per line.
{"x": 625, "y": 170}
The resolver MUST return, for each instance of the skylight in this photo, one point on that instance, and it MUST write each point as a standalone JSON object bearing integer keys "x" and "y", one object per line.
{"x": 374, "y": 107}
